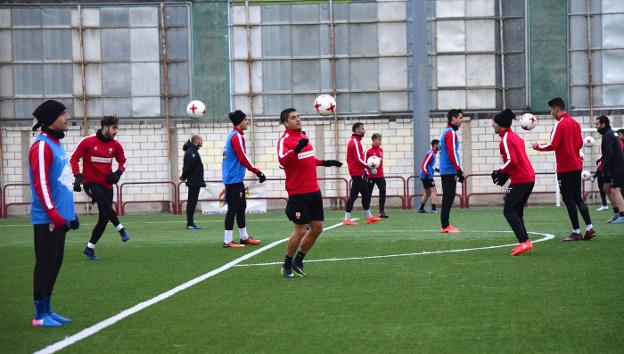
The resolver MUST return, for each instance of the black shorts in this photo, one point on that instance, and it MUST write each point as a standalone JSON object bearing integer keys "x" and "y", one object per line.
{"x": 427, "y": 183}
{"x": 617, "y": 181}
{"x": 94, "y": 191}
{"x": 303, "y": 208}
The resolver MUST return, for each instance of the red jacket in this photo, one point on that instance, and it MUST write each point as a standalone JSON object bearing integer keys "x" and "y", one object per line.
{"x": 355, "y": 156}
{"x": 300, "y": 169}
{"x": 566, "y": 140}
{"x": 97, "y": 159}
{"x": 375, "y": 151}
{"x": 516, "y": 162}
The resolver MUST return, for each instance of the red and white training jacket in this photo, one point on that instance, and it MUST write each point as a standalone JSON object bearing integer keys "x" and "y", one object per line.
{"x": 97, "y": 159}
{"x": 515, "y": 160}
{"x": 300, "y": 168}
{"x": 375, "y": 151}
{"x": 567, "y": 141}
{"x": 355, "y": 156}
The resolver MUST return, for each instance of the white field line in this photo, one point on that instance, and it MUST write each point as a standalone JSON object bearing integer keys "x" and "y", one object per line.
{"x": 145, "y": 304}
{"x": 422, "y": 253}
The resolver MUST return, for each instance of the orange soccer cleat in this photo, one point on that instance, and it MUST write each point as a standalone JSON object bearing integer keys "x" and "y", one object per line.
{"x": 449, "y": 230}
{"x": 250, "y": 241}
{"x": 232, "y": 245}
{"x": 372, "y": 220}
{"x": 348, "y": 222}
{"x": 522, "y": 247}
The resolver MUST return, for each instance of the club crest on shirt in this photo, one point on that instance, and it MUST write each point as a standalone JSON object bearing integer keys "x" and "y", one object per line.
{"x": 110, "y": 151}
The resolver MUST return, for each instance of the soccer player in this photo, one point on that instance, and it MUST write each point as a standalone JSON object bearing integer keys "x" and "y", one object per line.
{"x": 97, "y": 153}
{"x": 235, "y": 162}
{"x": 426, "y": 177}
{"x": 193, "y": 174}
{"x": 566, "y": 140}
{"x": 450, "y": 167}
{"x": 305, "y": 202}
{"x": 517, "y": 167}
{"x": 52, "y": 207}
{"x": 358, "y": 169}
{"x": 376, "y": 175}
{"x": 613, "y": 167}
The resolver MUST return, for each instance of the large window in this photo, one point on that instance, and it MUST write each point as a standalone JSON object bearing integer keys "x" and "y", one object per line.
{"x": 288, "y": 53}
{"x": 479, "y": 54}
{"x": 596, "y": 47}
{"x": 42, "y": 54}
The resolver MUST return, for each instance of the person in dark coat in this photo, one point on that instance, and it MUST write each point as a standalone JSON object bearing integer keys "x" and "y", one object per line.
{"x": 193, "y": 174}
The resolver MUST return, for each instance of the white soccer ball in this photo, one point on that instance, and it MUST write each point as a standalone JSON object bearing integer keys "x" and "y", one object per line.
{"x": 325, "y": 105}
{"x": 588, "y": 141}
{"x": 373, "y": 161}
{"x": 196, "y": 109}
{"x": 586, "y": 175}
{"x": 527, "y": 121}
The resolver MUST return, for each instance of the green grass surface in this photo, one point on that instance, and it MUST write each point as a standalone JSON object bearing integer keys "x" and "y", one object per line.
{"x": 561, "y": 297}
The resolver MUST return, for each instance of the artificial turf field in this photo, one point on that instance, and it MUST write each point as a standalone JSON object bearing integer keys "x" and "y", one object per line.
{"x": 560, "y": 297}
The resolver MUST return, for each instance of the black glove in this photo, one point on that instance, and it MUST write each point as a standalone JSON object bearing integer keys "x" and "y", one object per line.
{"x": 301, "y": 144}
{"x": 74, "y": 224}
{"x": 499, "y": 177}
{"x": 77, "y": 182}
{"x": 436, "y": 170}
{"x": 114, "y": 177}
{"x": 460, "y": 176}
{"x": 332, "y": 163}
{"x": 261, "y": 177}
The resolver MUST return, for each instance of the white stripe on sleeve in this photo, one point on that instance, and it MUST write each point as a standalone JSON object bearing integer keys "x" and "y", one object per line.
{"x": 42, "y": 176}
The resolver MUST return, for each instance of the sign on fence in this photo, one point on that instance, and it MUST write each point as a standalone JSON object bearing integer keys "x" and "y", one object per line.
{"x": 217, "y": 191}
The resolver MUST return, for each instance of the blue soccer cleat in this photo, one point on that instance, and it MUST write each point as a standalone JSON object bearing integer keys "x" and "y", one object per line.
{"x": 298, "y": 269}
{"x": 124, "y": 235}
{"x": 90, "y": 252}
{"x": 46, "y": 321}
{"x": 287, "y": 272}
{"x": 58, "y": 318}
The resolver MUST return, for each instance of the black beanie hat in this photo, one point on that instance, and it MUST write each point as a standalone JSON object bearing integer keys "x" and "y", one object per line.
{"x": 504, "y": 118}
{"x": 47, "y": 112}
{"x": 237, "y": 116}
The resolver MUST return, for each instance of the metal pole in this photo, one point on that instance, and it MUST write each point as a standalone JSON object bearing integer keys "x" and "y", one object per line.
{"x": 590, "y": 78}
{"x": 85, "y": 121}
{"x": 420, "y": 34}
{"x": 332, "y": 46}
{"x": 502, "y": 53}
{"x": 163, "y": 33}
{"x": 250, "y": 96}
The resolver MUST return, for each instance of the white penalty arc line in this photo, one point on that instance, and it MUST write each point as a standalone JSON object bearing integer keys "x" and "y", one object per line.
{"x": 145, "y": 304}
{"x": 422, "y": 253}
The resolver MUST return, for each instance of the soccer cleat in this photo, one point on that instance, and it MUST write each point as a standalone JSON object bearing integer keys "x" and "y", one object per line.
{"x": 58, "y": 318}
{"x": 613, "y": 218}
{"x": 383, "y": 215}
{"x": 250, "y": 241}
{"x": 287, "y": 272}
{"x": 298, "y": 269}
{"x": 46, "y": 321}
{"x": 602, "y": 207}
{"x": 232, "y": 245}
{"x": 449, "y": 230}
{"x": 589, "y": 234}
{"x": 619, "y": 220}
{"x": 522, "y": 247}
{"x": 434, "y": 211}
{"x": 349, "y": 222}
{"x": 573, "y": 237}
{"x": 372, "y": 220}
{"x": 90, "y": 252}
{"x": 422, "y": 211}
{"x": 193, "y": 227}
{"x": 124, "y": 235}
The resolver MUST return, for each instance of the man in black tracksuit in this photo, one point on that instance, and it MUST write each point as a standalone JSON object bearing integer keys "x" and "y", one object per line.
{"x": 193, "y": 174}
{"x": 613, "y": 167}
